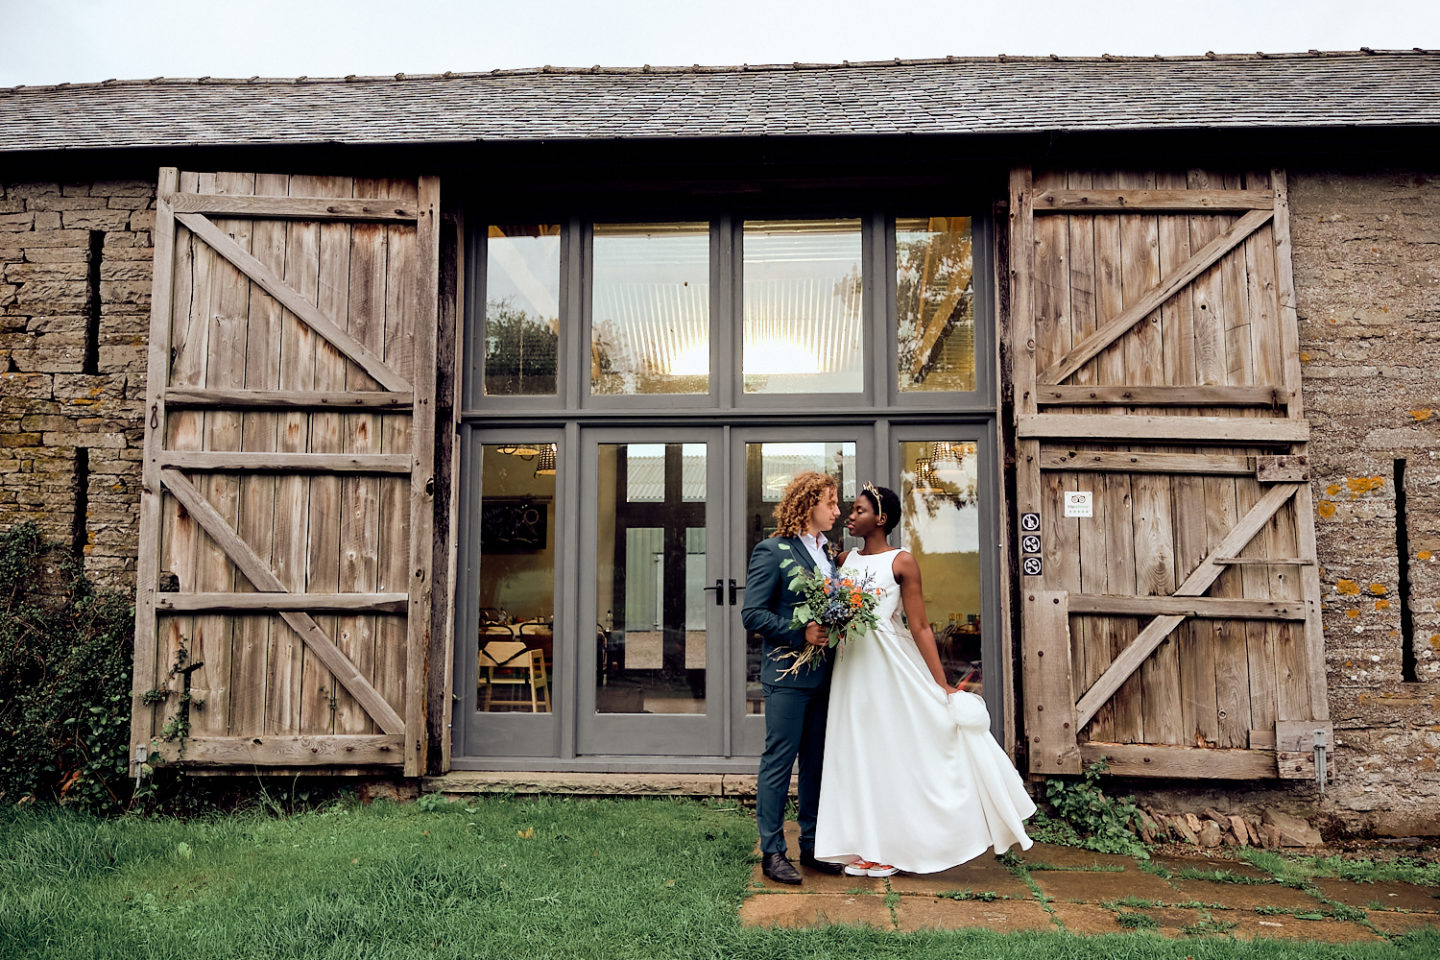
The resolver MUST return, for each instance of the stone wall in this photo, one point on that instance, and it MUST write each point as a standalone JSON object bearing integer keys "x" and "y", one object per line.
{"x": 1367, "y": 277}
{"x": 74, "y": 311}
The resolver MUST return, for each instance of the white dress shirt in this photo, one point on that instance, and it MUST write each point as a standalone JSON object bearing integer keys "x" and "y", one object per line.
{"x": 816, "y": 546}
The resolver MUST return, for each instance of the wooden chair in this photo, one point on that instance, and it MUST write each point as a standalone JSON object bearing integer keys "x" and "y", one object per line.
{"x": 511, "y": 663}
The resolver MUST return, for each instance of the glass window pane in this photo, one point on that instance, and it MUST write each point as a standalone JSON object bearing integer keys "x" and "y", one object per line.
{"x": 803, "y": 307}
{"x": 650, "y": 582}
{"x": 522, "y": 309}
{"x": 939, "y": 488}
{"x": 517, "y": 577}
{"x": 934, "y": 304}
{"x": 650, "y": 309}
{"x": 769, "y": 468}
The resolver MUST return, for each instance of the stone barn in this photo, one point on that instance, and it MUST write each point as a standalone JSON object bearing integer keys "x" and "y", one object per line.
{"x": 431, "y": 419}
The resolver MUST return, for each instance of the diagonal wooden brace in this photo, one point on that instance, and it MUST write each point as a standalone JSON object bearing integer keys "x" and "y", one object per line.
{"x": 1195, "y": 585}
{"x": 265, "y": 580}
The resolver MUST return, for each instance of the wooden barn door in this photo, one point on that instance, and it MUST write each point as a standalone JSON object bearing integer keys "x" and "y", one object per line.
{"x": 1169, "y": 592}
{"x": 284, "y": 569}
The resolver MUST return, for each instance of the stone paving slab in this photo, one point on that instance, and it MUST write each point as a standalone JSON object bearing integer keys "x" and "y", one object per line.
{"x": 1200, "y": 862}
{"x": 1243, "y": 896}
{"x": 1091, "y": 918}
{"x": 1106, "y": 885}
{"x": 816, "y": 909}
{"x": 813, "y": 882}
{"x": 981, "y": 875}
{"x": 1003, "y": 916}
{"x": 1254, "y": 926}
{"x": 1070, "y": 857}
{"x": 1395, "y": 924}
{"x": 1390, "y": 895}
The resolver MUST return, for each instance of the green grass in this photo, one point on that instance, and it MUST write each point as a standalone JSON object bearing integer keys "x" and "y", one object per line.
{"x": 503, "y": 878}
{"x": 1300, "y": 869}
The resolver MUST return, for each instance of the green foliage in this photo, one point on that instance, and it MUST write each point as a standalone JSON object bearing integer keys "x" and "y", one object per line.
{"x": 65, "y": 661}
{"x": 1136, "y": 921}
{"x": 1083, "y": 815}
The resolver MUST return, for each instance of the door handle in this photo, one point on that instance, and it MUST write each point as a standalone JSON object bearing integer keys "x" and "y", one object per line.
{"x": 719, "y": 589}
{"x": 733, "y": 589}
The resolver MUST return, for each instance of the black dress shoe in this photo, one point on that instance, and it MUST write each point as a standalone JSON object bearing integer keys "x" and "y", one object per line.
{"x": 779, "y": 869}
{"x": 807, "y": 860}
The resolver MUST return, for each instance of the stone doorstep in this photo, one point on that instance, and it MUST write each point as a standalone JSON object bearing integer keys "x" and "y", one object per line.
{"x": 818, "y": 909}
{"x": 735, "y": 785}
{"x": 1008, "y": 916}
{"x": 1390, "y": 895}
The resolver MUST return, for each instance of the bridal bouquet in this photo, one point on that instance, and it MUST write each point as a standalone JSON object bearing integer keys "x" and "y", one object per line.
{"x": 844, "y": 606}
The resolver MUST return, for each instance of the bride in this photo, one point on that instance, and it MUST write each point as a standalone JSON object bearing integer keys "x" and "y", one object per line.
{"x": 912, "y": 778}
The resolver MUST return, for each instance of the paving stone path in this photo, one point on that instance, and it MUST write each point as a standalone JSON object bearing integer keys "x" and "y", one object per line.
{"x": 1061, "y": 888}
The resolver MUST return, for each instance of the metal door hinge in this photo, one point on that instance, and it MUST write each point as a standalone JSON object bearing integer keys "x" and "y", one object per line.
{"x": 1322, "y": 742}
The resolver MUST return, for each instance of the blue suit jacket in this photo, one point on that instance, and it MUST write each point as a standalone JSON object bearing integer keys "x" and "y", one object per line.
{"x": 769, "y": 605}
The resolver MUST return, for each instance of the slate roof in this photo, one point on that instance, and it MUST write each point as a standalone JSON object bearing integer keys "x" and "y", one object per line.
{"x": 994, "y": 95}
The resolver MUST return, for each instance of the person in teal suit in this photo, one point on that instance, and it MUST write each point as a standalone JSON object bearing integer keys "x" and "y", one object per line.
{"x": 795, "y": 705}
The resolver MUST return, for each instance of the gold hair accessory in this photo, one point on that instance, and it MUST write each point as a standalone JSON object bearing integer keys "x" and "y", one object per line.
{"x": 870, "y": 488}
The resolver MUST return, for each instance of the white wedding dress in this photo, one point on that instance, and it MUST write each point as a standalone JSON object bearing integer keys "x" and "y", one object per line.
{"x": 911, "y": 778}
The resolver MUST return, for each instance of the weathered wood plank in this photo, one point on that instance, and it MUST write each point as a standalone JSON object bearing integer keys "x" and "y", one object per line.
{"x": 251, "y": 671}
{"x": 295, "y": 302}
{"x": 1136, "y": 200}
{"x": 319, "y": 698}
{"x": 1107, "y": 461}
{"x": 1196, "y": 584}
{"x": 226, "y": 315}
{"x": 1205, "y": 293}
{"x": 273, "y": 602}
{"x": 142, "y": 715}
{"x": 1050, "y": 725}
{"x": 265, "y": 399}
{"x": 269, "y": 751}
{"x": 1144, "y": 305}
{"x": 1161, "y": 396}
{"x": 422, "y": 480}
{"x": 265, "y": 579}
{"x": 1267, "y": 561}
{"x": 292, "y": 491}
{"x": 393, "y": 670}
{"x": 1157, "y": 760}
{"x": 292, "y": 208}
{"x": 1201, "y": 607}
{"x": 1177, "y": 429}
{"x": 261, "y": 462}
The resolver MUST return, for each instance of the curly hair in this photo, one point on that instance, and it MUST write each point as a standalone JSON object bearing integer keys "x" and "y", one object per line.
{"x": 802, "y": 494}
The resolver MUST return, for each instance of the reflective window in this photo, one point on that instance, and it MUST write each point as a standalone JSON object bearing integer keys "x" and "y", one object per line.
{"x": 650, "y": 309}
{"x": 517, "y": 577}
{"x": 803, "y": 315}
{"x": 934, "y": 304}
{"x": 522, "y": 309}
{"x": 651, "y": 643}
{"x": 939, "y": 484}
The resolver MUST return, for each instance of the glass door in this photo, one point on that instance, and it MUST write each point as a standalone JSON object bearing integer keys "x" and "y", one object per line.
{"x": 763, "y": 461}
{"x": 651, "y": 583}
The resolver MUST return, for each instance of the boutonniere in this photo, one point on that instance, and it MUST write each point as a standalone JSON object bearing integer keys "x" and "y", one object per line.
{"x": 831, "y": 550}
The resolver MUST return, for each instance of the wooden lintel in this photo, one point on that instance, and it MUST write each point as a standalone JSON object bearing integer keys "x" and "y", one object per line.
{"x": 1091, "y": 200}
{"x": 1200, "y": 579}
{"x": 381, "y": 400}
{"x": 1174, "y": 430}
{"x": 1200, "y": 607}
{"x": 366, "y": 749}
{"x": 1152, "y": 299}
{"x": 276, "y": 602}
{"x": 292, "y": 208}
{"x": 269, "y": 462}
{"x": 292, "y": 300}
{"x": 1156, "y": 760}
{"x": 1138, "y": 396}
{"x": 1108, "y": 461}
{"x": 264, "y": 579}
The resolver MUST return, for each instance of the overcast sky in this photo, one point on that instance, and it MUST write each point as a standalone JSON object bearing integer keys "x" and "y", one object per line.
{"x": 54, "y": 41}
